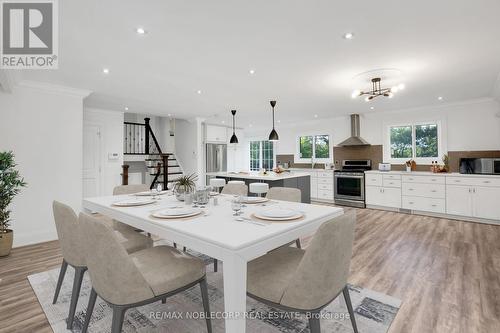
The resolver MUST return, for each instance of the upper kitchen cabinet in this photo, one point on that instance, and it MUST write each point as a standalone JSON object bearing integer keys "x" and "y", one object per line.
{"x": 216, "y": 134}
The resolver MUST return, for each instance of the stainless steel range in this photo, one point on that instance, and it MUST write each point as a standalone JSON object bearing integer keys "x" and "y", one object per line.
{"x": 350, "y": 183}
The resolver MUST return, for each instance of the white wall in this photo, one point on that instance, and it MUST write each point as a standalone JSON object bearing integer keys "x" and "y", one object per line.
{"x": 469, "y": 125}
{"x": 43, "y": 126}
{"x": 189, "y": 147}
{"x": 111, "y": 127}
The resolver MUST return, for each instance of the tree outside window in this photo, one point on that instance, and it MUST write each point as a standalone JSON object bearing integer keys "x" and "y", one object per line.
{"x": 414, "y": 141}
{"x": 317, "y": 146}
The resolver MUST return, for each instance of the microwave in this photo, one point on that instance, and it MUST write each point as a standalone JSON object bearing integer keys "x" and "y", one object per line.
{"x": 486, "y": 166}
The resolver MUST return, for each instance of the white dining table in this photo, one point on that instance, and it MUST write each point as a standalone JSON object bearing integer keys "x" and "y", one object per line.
{"x": 218, "y": 234}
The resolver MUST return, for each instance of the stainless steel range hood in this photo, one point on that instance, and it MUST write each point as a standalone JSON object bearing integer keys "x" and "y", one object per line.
{"x": 355, "y": 139}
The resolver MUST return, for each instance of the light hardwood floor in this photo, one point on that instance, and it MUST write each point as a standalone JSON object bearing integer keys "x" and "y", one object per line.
{"x": 446, "y": 272}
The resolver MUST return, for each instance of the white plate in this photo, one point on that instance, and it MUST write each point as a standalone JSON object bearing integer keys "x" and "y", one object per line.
{"x": 277, "y": 212}
{"x": 253, "y": 200}
{"x": 297, "y": 215}
{"x": 150, "y": 193}
{"x": 133, "y": 202}
{"x": 167, "y": 213}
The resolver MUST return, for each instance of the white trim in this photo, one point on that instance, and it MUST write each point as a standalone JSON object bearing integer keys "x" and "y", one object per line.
{"x": 53, "y": 88}
{"x": 442, "y": 142}
{"x": 29, "y": 238}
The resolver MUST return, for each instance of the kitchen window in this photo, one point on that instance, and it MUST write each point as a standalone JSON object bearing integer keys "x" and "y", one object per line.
{"x": 315, "y": 147}
{"x": 420, "y": 142}
{"x": 261, "y": 155}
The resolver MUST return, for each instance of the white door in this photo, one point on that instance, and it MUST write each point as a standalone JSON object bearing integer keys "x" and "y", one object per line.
{"x": 485, "y": 202}
{"x": 91, "y": 161}
{"x": 458, "y": 200}
{"x": 374, "y": 196}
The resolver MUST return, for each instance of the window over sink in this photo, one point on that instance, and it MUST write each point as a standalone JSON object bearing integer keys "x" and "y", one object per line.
{"x": 313, "y": 147}
{"x": 421, "y": 142}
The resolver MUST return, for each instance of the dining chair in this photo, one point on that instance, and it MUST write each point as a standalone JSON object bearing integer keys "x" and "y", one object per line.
{"x": 235, "y": 189}
{"x": 286, "y": 194}
{"x": 127, "y": 281}
{"x": 308, "y": 280}
{"x": 70, "y": 239}
{"x": 128, "y": 189}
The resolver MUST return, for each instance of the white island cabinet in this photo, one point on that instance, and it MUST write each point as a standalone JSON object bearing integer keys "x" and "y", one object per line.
{"x": 467, "y": 197}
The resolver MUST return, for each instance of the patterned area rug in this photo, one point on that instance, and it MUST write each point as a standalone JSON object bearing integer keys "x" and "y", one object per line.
{"x": 374, "y": 311}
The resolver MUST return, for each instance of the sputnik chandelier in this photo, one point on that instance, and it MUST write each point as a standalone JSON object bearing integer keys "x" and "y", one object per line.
{"x": 377, "y": 90}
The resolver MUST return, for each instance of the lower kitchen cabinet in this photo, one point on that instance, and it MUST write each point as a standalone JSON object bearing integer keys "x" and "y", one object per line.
{"x": 458, "y": 200}
{"x": 383, "y": 196}
{"x": 480, "y": 202}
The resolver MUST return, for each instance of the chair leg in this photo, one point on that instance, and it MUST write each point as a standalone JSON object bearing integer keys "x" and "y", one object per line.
{"x": 314, "y": 323}
{"x": 90, "y": 309}
{"x": 215, "y": 265}
{"x": 297, "y": 243}
{"x": 175, "y": 245}
{"x": 206, "y": 303}
{"x": 183, "y": 249}
{"x": 163, "y": 300}
{"x": 62, "y": 272}
{"x": 118, "y": 316}
{"x": 77, "y": 284}
{"x": 349, "y": 308}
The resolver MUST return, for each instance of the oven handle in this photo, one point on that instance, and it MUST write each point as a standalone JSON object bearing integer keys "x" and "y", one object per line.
{"x": 345, "y": 176}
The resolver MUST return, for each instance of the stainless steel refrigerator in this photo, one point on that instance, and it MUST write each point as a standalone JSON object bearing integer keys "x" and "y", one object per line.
{"x": 216, "y": 157}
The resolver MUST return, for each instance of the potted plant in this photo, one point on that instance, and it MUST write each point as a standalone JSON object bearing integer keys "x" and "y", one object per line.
{"x": 185, "y": 184}
{"x": 10, "y": 185}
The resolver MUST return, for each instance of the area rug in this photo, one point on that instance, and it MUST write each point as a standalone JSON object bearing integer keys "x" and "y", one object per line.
{"x": 374, "y": 311}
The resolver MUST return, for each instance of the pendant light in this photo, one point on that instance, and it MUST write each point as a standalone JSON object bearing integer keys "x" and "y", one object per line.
{"x": 234, "y": 139}
{"x": 273, "y": 136}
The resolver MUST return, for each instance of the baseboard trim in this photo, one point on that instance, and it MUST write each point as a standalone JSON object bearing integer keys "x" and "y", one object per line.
{"x": 23, "y": 239}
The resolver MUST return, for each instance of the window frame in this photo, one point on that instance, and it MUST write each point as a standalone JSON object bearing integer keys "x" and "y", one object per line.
{"x": 299, "y": 159}
{"x": 419, "y": 160}
{"x": 261, "y": 154}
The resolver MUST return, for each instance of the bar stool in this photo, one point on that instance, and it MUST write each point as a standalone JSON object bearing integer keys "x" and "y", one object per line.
{"x": 259, "y": 188}
{"x": 237, "y": 182}
{"x": 218, "y": 183}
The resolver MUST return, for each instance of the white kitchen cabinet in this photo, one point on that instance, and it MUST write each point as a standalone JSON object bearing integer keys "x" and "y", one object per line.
{"x": 216, "y": 134}
{"x": 383, "y": 196}
{"x": 485, "y": 202}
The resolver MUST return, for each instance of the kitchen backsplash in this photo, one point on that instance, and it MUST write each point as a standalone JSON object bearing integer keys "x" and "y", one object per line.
{"x": 375, "y": 154}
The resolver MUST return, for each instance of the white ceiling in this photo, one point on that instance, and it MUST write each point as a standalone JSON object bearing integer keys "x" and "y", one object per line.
{"x": 444, "y": 48}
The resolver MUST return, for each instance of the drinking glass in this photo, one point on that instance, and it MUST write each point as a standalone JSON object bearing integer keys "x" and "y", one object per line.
{"x": 236, "y": 206}
{"x": 159, "y": 188}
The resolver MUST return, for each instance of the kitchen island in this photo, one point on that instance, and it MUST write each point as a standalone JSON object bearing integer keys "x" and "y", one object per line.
{"x": 299, "y": 180}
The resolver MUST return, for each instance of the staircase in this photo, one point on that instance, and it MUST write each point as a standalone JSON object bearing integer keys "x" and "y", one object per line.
{"x": 163, "y": 168}
{"x": 154, "y": 164}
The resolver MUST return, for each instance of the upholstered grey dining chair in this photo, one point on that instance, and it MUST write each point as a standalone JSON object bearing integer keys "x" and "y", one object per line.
{"x": 306, "y": 281}
{"x": 286, "y": 194}
{"x": 127, "y": 189}
{"x": 127, "y": 281}
{"x": 235, "y": 189}
{"x": 70, "y": 239}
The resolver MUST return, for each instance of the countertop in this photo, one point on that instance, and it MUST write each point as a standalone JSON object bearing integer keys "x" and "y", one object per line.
{"x": 255, "y": 175}
{"x": 428, "y": 173}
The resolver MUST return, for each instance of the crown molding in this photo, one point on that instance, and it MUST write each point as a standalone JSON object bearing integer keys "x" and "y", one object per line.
{"x": 54, "y": 88}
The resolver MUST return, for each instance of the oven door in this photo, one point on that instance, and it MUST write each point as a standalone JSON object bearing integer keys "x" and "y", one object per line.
{"x": 351, "y": 187}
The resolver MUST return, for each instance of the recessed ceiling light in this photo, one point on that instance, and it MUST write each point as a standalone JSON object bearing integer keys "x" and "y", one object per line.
{"x": 170, "y": 115}
{"x": 126, "y": 108}
{"x": 105, "y": 70}
{"x": 348, "y": 35}
{"x": 372, "y": 108}
{"x": 279, "y": 121}
{"x": 223, "y": 122}
{"x": 315, "y": 116}
{"x": 140, "y": 31}
{"x": 440, "y": 98}
{"x": 198, "y": 92}
{"x": 252, "y": 71}
{"x": 250, "y": 125}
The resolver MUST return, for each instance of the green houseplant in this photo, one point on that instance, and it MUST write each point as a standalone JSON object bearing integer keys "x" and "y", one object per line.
{"x": 185, "y": 184}
{"x": 10, "y": 185}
